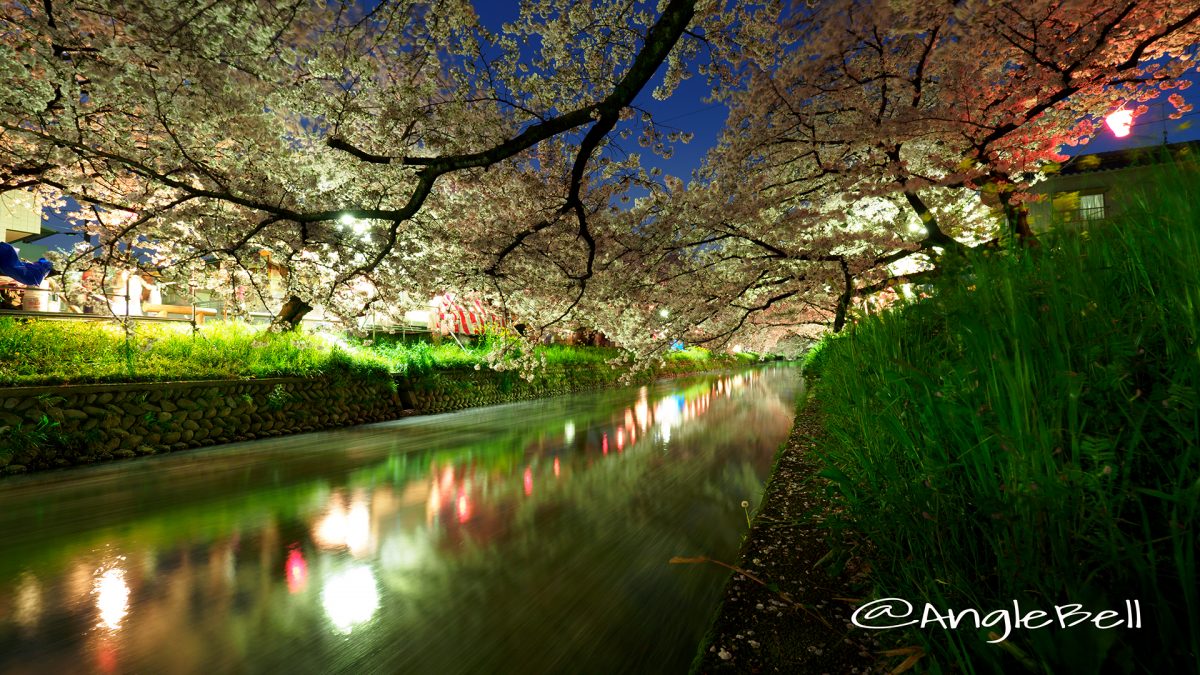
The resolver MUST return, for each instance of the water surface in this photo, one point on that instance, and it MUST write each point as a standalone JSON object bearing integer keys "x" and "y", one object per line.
{"x": 523, "y": 538}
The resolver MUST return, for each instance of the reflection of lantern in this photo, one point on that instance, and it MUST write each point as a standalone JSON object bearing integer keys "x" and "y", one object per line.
{"x": 112, "y": 597}
{"x": 297, "y": 571}
{"x": 464, "y": 508}
{"x": 1120, "y": 122}
{"x": 350, "y": 597}
{"x": 341, "y": 526}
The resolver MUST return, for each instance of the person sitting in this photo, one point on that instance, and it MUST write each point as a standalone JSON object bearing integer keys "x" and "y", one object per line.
{"x": 30, "y": 274}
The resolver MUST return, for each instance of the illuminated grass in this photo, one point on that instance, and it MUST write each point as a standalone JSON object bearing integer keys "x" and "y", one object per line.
{"x": 36, "y": 352}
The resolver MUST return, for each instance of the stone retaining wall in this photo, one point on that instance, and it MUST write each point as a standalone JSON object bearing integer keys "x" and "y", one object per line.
{"x": 56, "y": 426}
{"x": 452, "y": 390}
{"x": 66, "y": 425}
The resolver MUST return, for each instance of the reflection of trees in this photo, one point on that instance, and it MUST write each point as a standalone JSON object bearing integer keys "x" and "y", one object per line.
{"x": 584, "y": 554}
{"x": 588, "y": 556}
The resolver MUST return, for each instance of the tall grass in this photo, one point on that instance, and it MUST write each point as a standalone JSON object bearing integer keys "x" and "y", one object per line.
{"x": 1031, "y": 433}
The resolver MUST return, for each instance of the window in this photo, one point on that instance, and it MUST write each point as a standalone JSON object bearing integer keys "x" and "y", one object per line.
{"x": 1075, "y": 207}
{"x": 1091, "y": 207}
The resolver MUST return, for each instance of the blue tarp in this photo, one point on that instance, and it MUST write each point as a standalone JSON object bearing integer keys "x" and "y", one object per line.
{"x": 30, "y": 274}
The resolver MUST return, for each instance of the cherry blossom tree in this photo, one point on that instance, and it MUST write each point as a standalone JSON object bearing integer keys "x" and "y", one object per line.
{"x": 397, "y": 149}
{"x": 863, "y": 134}
{"x": 399, "y": 146}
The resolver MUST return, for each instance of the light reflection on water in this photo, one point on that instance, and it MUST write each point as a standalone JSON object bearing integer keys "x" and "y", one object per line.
{"x": 507, "y": 539}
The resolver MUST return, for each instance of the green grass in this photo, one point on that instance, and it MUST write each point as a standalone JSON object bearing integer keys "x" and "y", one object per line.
{"x": 52, "y": 352}
{"x": 34, "y": 352}
{"x": 1031, "y": 433}
{"x": 415, "y": 358}
{"x": 814, "y": 359}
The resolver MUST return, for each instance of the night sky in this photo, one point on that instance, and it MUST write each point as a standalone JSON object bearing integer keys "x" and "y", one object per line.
{"x": 687, "y": 111}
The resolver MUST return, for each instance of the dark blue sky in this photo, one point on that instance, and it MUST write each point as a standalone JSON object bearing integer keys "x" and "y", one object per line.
{"x": 687, "y": 111}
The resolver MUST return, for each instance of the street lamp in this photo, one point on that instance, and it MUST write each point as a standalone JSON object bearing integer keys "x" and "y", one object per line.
{"x": 1120, "y": 122}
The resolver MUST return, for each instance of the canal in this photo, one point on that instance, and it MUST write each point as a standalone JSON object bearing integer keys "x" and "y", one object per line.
{"x": 525, "y": 538}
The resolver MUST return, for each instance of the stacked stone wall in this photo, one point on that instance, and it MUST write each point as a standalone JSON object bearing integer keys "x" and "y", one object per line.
{"x": 58, "y": 426}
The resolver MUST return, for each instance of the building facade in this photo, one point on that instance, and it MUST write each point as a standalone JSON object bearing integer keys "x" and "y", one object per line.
{"x": 1090, "y": 189}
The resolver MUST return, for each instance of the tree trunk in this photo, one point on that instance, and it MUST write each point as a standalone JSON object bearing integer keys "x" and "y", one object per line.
{"x": 291, "y": 314}
{"x": 843, "y": 306}
{"x": 1016, "y": 217}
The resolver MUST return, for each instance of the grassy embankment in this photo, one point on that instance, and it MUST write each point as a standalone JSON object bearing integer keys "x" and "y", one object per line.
{"x": 50, "y": 352}
{"x": 1030, "y": 432}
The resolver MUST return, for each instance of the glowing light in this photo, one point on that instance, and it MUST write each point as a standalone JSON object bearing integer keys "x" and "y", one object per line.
{"x": 350, "y": 597}
{"x": 569, "y": 432}
{"x": 669, "y": 414}
{"x": 528, "y": 481}
{"x": 620, "y": 441}
{"x": 296, "y": 570}
{"x": 664, "y": 312}
{"x": 464, "y": 508}
{"x": 330, "y": 531}
{"x": 604, "y": 443}
{"x": 345, "y": 527}
{"x": 361, "y": 227}
{"x": 27, "y": 608}
{"x": 434, "y": 506}
{"x": 447, "y": 477}
{"x": 557, "y": 470}
{"x": 1120, "y": 122}
{"x": 358, "y": 528}
{"x": 112, "y": 597}
{"x": 628, "y": 417}
{"x": 737, "y": 349}
{"x": 641, "y": 410}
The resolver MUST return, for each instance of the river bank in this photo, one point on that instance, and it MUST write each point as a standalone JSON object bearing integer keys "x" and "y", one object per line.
{"x": 785, "y": 608}
{"x": 60, "y": 426}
